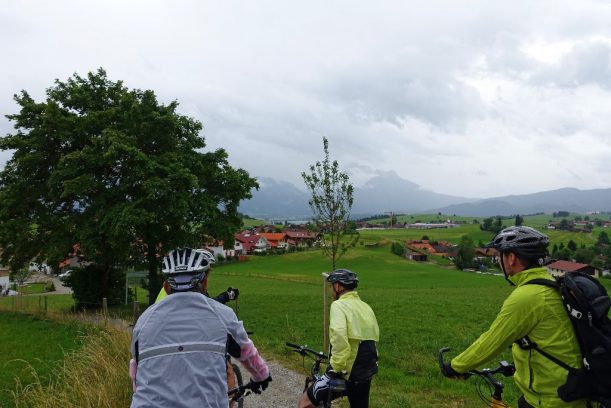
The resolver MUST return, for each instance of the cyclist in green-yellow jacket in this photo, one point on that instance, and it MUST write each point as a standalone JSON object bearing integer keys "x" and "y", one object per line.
{"x": 535, "y": 312}
{"x": 353, "y": 334}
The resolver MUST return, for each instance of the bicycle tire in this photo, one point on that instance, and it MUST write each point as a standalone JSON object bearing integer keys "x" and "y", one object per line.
{"x": 239, "y": 381}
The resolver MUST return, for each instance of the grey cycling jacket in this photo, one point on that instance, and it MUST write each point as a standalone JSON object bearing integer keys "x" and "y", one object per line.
{"x": 179, "y": 345}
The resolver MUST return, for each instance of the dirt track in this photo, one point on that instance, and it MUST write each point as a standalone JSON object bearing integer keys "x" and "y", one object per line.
{"x": 283, "y": 391}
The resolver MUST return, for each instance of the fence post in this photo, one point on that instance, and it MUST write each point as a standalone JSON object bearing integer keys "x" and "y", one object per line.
{"x": 39, "y": 302}
{"x": 46, "y": 308}
{"x": 105, "y": 309}
{"x": 325, "y": 317}
{"x": 136, "y": 310}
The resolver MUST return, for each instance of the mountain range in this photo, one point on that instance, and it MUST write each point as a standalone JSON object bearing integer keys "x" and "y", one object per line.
{"x": 389, "y": 192}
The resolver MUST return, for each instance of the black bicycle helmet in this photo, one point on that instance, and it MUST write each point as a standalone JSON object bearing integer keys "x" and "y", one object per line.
{"x": 344, "y": 276}
{"x": 522, "y": 240}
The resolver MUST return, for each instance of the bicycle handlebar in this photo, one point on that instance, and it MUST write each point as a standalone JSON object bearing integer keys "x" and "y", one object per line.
{"x": 239, "y": 392}
{"x": 441, "y": 351}
{"x": 504, "y": 367}
{"x": 305, "y": 351}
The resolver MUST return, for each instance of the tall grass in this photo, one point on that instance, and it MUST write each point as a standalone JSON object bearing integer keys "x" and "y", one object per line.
{"x": 94, "y": 376}
{"x": 30, "y": 343}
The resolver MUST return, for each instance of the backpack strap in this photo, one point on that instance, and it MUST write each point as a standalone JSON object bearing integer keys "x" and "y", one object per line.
{"x": 544, "y": 282}
{"x": 525, "y": 343}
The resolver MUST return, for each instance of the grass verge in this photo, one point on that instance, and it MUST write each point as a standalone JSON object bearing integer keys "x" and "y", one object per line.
{"x": 93, "y": 376}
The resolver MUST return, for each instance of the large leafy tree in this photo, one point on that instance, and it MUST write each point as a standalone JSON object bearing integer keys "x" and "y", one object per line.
{"x": 114, "y": 171}
{"x": 331, "y": 203}
{"x": 465, "y": 253}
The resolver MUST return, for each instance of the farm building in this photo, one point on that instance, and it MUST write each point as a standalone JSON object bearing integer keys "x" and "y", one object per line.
{"x": 561, "y": 267}
{"x": 415, "y": 256}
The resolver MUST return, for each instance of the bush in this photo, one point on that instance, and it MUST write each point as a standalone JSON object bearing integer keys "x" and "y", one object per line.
{"x": 397, "y": 249}
{"x": 87, "y": 287}
{"x": 50, "y": 286}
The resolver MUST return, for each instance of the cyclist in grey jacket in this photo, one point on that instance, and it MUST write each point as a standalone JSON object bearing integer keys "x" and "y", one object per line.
{"x": 179, "y": 344}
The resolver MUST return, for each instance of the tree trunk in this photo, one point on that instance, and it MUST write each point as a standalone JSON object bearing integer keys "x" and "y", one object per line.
{"x": 155, "y": 280}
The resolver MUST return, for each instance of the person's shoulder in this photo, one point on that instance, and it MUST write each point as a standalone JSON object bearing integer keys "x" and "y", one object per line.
{"x": 221, "y": 308}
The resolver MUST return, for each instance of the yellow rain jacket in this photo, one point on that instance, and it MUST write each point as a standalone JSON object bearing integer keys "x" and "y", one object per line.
{"x": 538, "y": 312}
{"x": 162, "y": 295}
{"x": 351, "y": 321}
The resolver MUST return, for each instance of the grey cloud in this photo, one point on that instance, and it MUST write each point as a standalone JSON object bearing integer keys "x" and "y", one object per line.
{"x": 587, "y": 63}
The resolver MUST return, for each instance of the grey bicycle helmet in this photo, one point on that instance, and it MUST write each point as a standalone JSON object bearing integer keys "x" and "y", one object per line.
{"x": 184, "y": 268}
{"x": 522, "y": 240}
{"x": 344, "y": 276}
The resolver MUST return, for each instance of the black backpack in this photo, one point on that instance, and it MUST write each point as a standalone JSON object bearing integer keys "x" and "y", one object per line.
{"x": 587, "y": 303}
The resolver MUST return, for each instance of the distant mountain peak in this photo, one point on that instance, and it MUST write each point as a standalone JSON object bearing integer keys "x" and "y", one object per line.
{"x": 387, "y": 191}
{"x": 389, "y": 179}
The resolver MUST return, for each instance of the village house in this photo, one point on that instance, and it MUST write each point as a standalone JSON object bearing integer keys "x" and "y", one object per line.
{"x": 303, "y": 238}
{"x": 218, "y": 249}
{"x": 4, "y": 278}
{"x": 440, "y": 248}
{"x": 74, "y": 260}
{"x": 252, "y": 242}
{"x": 277, "y": 240}
{"x": 559, "y": 268}
{"x": 40, "y": 268}
{"x": 482, "y": 254}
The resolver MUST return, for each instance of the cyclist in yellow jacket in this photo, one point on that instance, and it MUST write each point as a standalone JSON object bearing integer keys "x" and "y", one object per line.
{"x": 353, "y": 333}
{"x": 535, "y": 312}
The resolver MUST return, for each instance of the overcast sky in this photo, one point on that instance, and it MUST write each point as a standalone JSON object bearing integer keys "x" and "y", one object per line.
{"x": 471, "y": 98}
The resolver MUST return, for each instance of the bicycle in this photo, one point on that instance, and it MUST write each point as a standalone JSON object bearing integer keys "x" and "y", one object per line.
{"x": 237, "y": 375}
{"x": 237, "y": 394}
{"x": 486, "y": 376}
{"x": 337, "y": 383}
{"x": 237, "y": 380}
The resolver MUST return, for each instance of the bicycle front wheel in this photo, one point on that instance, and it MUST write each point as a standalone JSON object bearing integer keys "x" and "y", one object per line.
{"x": 237, "y": 375}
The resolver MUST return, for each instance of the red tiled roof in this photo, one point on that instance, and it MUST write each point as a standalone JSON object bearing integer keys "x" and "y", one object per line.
{"x": 273, "y": 236}
{"x": 567, "y": 266}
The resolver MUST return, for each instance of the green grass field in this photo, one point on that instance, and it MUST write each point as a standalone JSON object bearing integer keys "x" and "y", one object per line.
{"x": 35, "y": 303}
{"x": 473, "y": 231}
{"x": 420, "y": 307}
{"x": 34, "y": 288}
{"x": 31, "y": 343}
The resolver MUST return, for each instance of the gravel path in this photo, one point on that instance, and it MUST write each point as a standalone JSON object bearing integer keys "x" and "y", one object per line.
{"x": 283, "y": 392}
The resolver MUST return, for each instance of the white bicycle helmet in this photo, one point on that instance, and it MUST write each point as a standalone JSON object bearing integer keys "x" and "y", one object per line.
{"x": 184, "y": 268}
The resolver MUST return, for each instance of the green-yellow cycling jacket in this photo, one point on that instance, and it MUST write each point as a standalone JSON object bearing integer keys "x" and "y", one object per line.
{"x": 351, "y": 320}
{"x": 535, "y": 311}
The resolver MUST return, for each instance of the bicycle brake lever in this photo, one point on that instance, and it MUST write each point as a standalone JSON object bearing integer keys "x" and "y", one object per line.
{"x": 507, "y": 369}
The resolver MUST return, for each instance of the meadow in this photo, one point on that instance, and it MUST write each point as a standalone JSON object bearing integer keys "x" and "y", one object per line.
{"x": 420, "y": 308}
{"x": 472, "y": 229}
